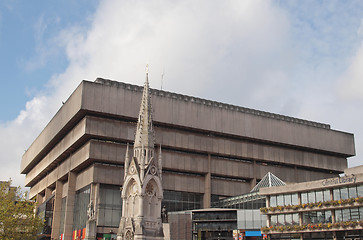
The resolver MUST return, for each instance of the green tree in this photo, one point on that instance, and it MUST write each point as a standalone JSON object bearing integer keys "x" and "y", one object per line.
{"x": 17, "y": 218}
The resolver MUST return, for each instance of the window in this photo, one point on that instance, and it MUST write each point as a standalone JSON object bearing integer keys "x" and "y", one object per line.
{"x": 326, "y": 195}
{"x": 110, "y": 206}
{"x": 336, "y": 194}
{"x": 344, "y": 193}
{"x": 317, "y": 217}
{"x": 80, "y": 208}
{"x": 273, "y": 220}
{"x": 304, "y": 198}
{"x": 294, "y": 199}
{"x": 288, "y": 219}
{"x": 295, "y": 219}
{"x": 360, "y": 190}
{"x": 319, "y": 196}
{"x": 338, "y": 215}
{"x": 287, "y": 199}
{"x": 328, "y": 217}
{"x": 354, "y": 214}
{"x": 352, "y": 192}
{"x": 280, "y": 200}
{"x": 311, "y": 197}
{"x": 346, "y": 214}
{"x": 62, "y": 215}
{"x": 180, "y": 201}
{"x": 273, "y": 201}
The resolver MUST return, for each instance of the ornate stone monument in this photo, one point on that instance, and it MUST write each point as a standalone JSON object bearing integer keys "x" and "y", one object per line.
{"x": 142, "y": 191}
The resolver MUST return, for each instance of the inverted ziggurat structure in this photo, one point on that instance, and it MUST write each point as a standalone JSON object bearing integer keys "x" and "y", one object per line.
{"x": 88, "y": 163}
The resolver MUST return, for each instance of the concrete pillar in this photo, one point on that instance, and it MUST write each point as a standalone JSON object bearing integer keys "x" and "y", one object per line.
{"x": 300, "y": 214}
{"x": 39, "y": 199}
{"x": 57, "y": 210}
{"x": 48, "y": 193}
{"x": 253, "y": 181}
{"x": 68, "y": 218}
{"x": 208, "y": 186}
{"x": 332, "y": 211}
{"x": 95, "y": 197}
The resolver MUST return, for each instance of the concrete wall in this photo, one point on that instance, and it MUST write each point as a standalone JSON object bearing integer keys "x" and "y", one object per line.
{"x": 122, "y": 100}
{"x": 242, "y": 144}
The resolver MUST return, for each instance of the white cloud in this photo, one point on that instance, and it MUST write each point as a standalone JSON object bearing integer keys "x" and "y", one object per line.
{"x": 352, "y": 80}
{"x": 360, "y": 29}
{"x": 240, "y": 52}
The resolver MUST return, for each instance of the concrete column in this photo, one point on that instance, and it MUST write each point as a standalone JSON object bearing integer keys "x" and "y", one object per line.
{"x": 57, "y": 209}
{"x": 332, "y": 211}
{"x": 208, "y": 186}
{"x": 96, "y": 197}
{"x": 300, "y": 214}
{"x": 48, "y": 193}
{"x": 68, "y": 218}
{"x": 253, "y": 181}
{"x": 39, "y": 199}
{"x": 299, "y": 197}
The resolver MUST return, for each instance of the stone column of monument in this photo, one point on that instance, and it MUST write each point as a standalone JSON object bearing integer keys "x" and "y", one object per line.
{"x": 91, "y": 222}
{"x": 142, "y": 191}
{"x": 91, "y": 228}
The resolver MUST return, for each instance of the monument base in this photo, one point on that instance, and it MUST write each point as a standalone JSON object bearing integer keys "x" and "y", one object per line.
{"x": 90, "y": 230}
{"x": 166, "y": 229}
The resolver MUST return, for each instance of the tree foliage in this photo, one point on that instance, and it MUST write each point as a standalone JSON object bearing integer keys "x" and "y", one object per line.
{"x": 17, "y": 218}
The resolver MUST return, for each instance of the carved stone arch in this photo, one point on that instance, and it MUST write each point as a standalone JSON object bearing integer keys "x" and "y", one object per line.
{"x": 158, "y": 185}
{"x": 152, "y": 201}
{"x": 129, "y": 235}
{"x": 130, "y": 182}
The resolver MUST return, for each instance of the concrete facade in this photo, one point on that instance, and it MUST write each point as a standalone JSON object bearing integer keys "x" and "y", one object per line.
{"x": 209, "y": 148}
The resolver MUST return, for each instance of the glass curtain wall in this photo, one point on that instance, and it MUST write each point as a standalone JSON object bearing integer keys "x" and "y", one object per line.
{"x": 82, "y": 200}
{"x": 349, "y": 214}
{"x": 348, "y": 192}
{"x": 109, "y": 206}
{"x": 62, "y": 215}
{"x": 181, "y": 201}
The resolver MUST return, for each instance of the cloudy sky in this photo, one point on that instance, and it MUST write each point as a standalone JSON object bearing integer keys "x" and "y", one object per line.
{"x": 298, "y": 58}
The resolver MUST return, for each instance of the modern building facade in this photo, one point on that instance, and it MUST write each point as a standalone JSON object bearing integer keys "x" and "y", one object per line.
{"x": 323, "y": 209}
{"x": 211, "y": 150}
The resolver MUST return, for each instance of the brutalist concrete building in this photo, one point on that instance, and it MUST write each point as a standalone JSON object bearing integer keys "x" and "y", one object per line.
{"x": 210, "y": 150}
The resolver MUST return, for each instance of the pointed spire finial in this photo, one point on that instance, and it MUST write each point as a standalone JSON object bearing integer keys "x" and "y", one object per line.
{"x": 144, "y": 135}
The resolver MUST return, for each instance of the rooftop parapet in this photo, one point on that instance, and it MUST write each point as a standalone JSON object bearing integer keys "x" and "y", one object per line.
{"x": 213, "y": 103}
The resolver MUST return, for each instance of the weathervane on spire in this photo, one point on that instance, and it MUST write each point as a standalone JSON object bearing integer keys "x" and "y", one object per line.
{"x": 147, "y": 68}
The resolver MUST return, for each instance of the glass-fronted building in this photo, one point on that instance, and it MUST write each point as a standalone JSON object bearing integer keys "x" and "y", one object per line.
{"x": 324, "y": 209}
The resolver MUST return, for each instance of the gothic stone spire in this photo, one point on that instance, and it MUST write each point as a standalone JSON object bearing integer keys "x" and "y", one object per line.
{"x": 142, "y": 192}
{"x": 144, "y": 137}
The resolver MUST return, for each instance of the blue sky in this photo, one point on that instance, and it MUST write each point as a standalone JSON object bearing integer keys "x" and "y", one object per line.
{"x": 298, "y": 58}
{"x": 25, "y": 27}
